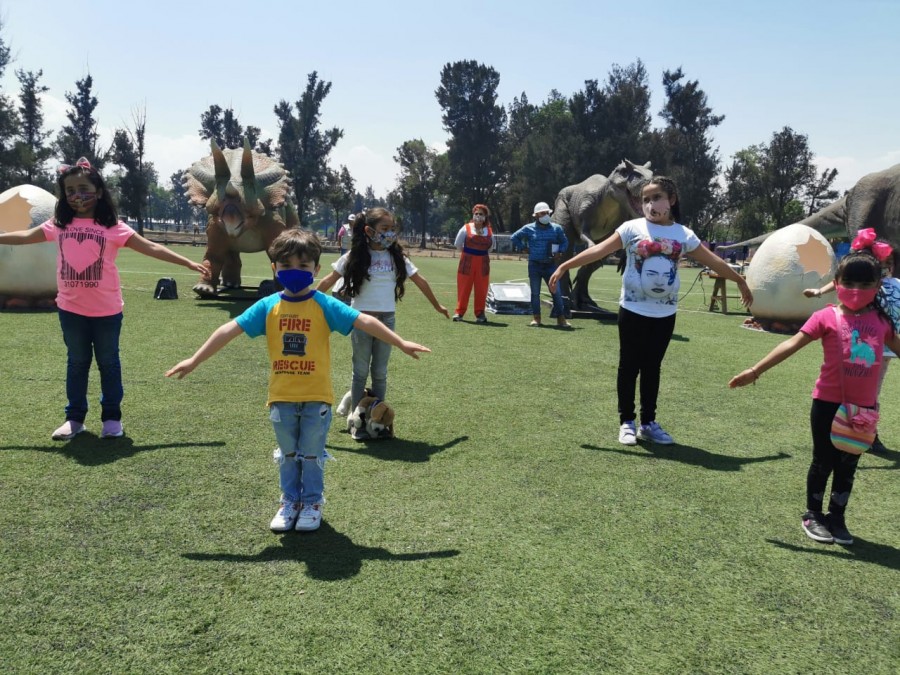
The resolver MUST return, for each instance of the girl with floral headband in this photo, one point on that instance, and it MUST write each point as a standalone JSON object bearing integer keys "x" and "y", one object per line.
{"x": 888, "y": 297}
{"x": 88, "y": 236}
{"x": 649, "y": 299}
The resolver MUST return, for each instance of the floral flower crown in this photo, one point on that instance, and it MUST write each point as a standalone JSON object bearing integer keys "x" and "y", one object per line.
{"x": 665, "y": 247}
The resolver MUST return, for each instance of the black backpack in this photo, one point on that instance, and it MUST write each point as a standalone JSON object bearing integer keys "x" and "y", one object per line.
{"x": 166, "y": 289}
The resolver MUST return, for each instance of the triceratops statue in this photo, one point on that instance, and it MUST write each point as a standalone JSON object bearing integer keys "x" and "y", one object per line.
{"x": 246, "y": 195}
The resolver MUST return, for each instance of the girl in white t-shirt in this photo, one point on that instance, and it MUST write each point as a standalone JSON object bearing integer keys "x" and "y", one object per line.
{"x": 649, "y": 299}
{"x": 374, "y": 273}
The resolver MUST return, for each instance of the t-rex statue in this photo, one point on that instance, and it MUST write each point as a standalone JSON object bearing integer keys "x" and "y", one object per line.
{"x": 591, "y": 211}
{"x": 246, "y": 195}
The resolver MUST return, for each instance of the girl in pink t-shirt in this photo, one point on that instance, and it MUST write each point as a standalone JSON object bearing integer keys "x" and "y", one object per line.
{"x": 853, "y": 351}
{"x": 89, "y": 235}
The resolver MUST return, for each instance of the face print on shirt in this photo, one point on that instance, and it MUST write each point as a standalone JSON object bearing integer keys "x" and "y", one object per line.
{"x": 652, "y": 275}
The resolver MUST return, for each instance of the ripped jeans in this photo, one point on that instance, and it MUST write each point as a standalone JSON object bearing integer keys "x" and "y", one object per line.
{"x": 301, "y": 430}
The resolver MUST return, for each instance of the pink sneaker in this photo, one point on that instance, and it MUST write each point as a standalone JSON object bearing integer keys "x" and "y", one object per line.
{"x": 112, "y": 429}
{"x": 68, "y": 431}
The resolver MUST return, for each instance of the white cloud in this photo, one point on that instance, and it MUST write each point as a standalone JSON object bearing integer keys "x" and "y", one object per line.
{"x": 174, "y": 154}
{"x": 851, "y": 169}
{"x": 367, "y": 167}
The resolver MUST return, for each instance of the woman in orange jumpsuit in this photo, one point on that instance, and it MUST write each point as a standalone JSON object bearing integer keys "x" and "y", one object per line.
{"x": 474, "y": 241}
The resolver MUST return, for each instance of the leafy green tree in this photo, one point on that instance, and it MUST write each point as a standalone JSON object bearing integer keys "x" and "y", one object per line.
{"x": 182, "y": 210}
{"x": 212, "y": 126}
{"x": 477, "y": 125}
{"x": 612, "y": 123}
{"x": 222, "y": 126}
{"x": 79, "y": 137}
{"x": 31, "y": 147}
{"x": 302, "y": 147}
{"x": 9, "y": 126}
{"x": 819, "y": 192}
{"x": 417, "y": 183}
{"x": 129, "y": 152}
{"x": 687, "y": 154}
{"x": 340, "y": 192}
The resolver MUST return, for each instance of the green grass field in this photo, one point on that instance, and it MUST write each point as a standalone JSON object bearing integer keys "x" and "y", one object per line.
{"x": 506, "y": 530}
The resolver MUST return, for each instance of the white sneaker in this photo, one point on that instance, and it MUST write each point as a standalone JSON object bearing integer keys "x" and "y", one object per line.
{"x": 310, "y": 518}
{"x": 626, "y": 434}
{"x": 68, "y": 431}
{"x": 654, "y": 433}
{"x": 286, "y": 517}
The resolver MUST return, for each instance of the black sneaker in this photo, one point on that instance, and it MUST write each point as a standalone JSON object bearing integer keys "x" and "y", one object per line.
{"x": 838, "y": 529}
{"x": 815, "y": 527}
{"x": 481, "y": 318}
{"x": 877, "y": 446}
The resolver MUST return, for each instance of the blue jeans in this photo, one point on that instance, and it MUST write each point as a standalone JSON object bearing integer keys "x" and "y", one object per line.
{"x": 301, "y": 430}
{"x": 542, "y": 271}
{"x": 370, "y": 355}
{"x": 86, "y": 337}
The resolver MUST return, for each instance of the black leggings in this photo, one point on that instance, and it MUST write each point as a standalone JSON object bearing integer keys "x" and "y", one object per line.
{"x": 643, "y": 341}
{"x": 828, "y": 460}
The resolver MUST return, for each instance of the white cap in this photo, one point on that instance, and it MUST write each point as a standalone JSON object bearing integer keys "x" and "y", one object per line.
{"x": 541, "y": 206}
{"x": 351, "y": 218}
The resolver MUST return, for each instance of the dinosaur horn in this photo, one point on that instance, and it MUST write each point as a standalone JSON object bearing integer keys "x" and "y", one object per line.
{"x": 247, "y": 175}
{"x": 223, "y": 173}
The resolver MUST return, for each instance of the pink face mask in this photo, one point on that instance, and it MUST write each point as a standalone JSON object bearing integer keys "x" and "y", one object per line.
{"x": 855, "y": 299}
{"x": 657, "y": 209}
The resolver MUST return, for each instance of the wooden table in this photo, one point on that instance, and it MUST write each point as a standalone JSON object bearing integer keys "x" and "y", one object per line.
{"x": 719, "y": 294}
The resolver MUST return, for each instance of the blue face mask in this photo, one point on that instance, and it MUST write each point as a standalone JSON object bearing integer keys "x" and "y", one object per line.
{"x": 295, "y": 280}
{"x": 385, "y": 239}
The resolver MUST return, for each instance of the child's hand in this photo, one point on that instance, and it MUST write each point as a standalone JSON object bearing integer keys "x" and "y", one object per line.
{"x": 443, "y": 310}
{"x": 411, "y": 349}
{"x": 554, "y": 279}
{"x": 182, "y": 369}
{"x": 203, "y": 269}
{"x": 746, "y": 294}
{"x": 812, "y": 293}
{"x": 743, "y": 378}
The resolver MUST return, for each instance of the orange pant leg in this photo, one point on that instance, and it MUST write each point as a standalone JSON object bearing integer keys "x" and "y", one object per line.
{"x": 464, "y": 284}
{"x": 481, "y": 281}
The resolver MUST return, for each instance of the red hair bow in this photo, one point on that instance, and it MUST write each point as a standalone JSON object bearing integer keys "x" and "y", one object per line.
{"x": 865, "y": 238}
{"x": 82, "y": 163}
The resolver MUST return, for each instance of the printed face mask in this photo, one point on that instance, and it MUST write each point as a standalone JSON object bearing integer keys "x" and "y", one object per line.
{"x": 855, "y": 299}
{"x": 385, "y": 239}
{"x": 81, "y": 200}
{"x": 295, "y": 280}
{"x": 657, "y": 209}
{"x": 478, "y": 218}
{"x": 544, "y": 220}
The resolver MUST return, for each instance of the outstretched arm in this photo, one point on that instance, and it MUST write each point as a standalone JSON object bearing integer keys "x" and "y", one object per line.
{"x": 596, "y": 252}
{"x": 706, "y": 257}
{"x": 327, "y": 282}
{"x": 149, "y": 248}
{"x": 819, "y": 292}
{"x": 423, "y": 286}
{"x": 35, "y": 235}
{"x": 375, "y": 328}
{"x": 773, "y": 358}
{"x": 220, "y": 337}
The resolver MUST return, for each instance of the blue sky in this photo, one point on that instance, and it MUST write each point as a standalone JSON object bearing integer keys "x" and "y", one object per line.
{"x": 827, "y": 69}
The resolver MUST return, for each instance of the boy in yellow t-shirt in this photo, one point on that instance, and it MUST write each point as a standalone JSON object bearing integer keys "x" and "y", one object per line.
{"x": 297, "y": 323}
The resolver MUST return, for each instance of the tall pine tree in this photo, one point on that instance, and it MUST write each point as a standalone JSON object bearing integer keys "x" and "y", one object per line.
{"x": 79, "y": 137}
{"x": 31, "y": 146}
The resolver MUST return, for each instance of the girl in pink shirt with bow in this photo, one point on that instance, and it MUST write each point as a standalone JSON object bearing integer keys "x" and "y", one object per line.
{"x": 853, "y": 341}
{"x": 89, "y": 234}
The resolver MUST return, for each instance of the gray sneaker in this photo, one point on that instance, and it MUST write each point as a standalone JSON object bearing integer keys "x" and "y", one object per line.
{"x": 814, "y": 525}
{"x": 654, "y": 433}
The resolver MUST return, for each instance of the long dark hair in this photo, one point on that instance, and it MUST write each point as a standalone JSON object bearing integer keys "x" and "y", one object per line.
{"x": 360, "y": 257}
{"x": 105, "y": 210}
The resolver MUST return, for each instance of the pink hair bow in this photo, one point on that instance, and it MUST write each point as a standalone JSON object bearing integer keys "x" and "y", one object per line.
{"x": 865, "y": 238}
{"x": 82, "y": 163}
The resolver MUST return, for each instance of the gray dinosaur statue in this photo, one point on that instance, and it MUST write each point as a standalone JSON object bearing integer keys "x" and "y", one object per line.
{"x": 873, "y": 202}
{"x": 591, "y": 211}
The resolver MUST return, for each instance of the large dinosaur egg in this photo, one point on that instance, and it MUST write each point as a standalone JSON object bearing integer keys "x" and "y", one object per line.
{"x": 27, "y": 273}
{"x": 791, "y": 259}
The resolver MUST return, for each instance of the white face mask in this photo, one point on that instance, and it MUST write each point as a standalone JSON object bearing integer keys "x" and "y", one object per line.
{"x": 544, "y": 220}
{"x": 478, "y": 218}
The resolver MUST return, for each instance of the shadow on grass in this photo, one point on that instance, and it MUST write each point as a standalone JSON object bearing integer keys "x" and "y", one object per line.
{"x": 891, "y": 455}
{"x": 234, "y": 306}
{"x": 90, "y": 450}
{"x": 687, "y": 454}
{"x": 397, "y": 450}
{"x": 329, "y": 555}
{"x": 862, "y": 550}
{"x": 489, "y": 324}
{"x": 680, "y": 338}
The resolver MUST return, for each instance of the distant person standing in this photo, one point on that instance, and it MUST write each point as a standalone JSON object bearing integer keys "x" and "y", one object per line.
{"x": 345, "y": 233}
{"x": 546, "y": 242}
{"x": 474, "y": 241}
